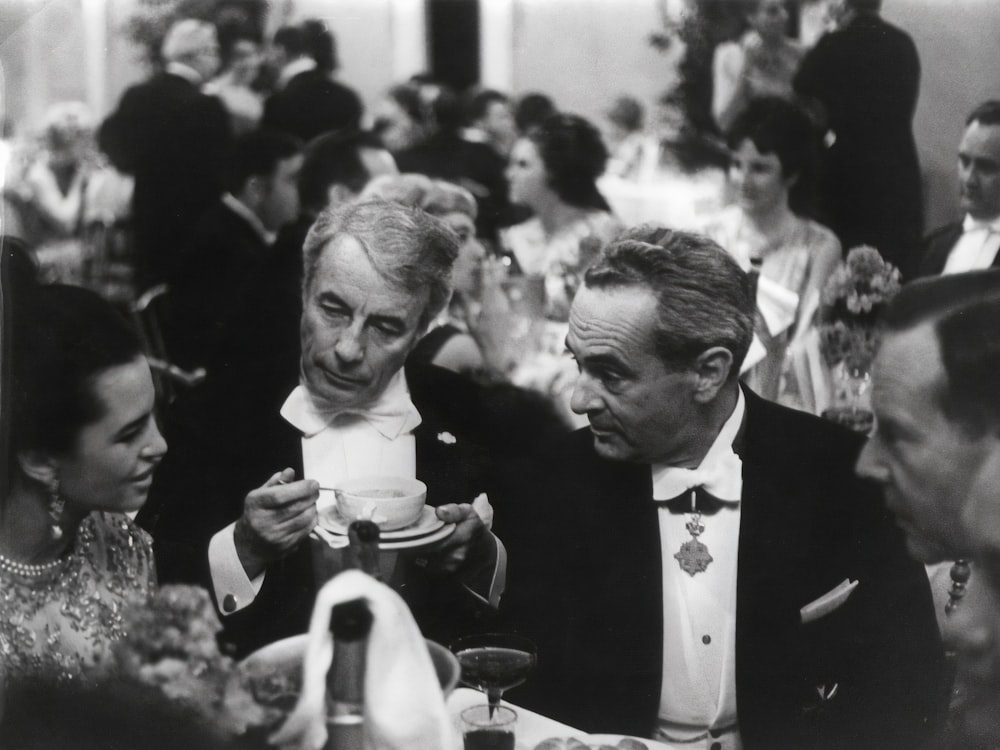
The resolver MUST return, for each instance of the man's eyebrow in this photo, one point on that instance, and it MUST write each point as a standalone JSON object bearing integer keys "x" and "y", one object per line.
{"x": 382, "y": 318}
{"x": 329, "y": 296}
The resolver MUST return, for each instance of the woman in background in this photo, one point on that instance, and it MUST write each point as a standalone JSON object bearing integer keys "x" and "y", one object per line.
{"x": 761, "y": 63}
{"x": 553, "y": 171}
{"x": 450, "y": 342}
{"x": 83, "y": 445}
{"x": 773, "y": 152}
{"x": 240, "y": 50}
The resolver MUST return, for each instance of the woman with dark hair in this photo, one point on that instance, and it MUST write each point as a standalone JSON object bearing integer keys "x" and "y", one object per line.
{"x": 553, "y": 171}
{"x": 236, "y": 84}
{"x": 82, "y": 448}
{"x": 773, "y": 154}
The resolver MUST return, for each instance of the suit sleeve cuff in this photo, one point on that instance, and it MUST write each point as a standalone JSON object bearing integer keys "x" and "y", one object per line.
{"x": 489, "y": 585}
{"x": 233, "y": 589}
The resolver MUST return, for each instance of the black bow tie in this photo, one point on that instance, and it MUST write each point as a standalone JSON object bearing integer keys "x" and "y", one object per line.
{"x": 705, "y": 502}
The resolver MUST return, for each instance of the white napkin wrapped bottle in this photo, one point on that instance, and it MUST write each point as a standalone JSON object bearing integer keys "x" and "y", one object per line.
{"x": 404, "y": 705}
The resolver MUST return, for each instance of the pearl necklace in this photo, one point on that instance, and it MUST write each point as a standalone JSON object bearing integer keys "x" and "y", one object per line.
{"x": 27, "y": 569}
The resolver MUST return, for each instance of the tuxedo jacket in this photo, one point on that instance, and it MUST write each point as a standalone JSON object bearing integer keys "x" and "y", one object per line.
{"x": 226, "y": 439}
{"x": 209, "y": 282}
{"x": 585, "y": 581}
{"x": 867, "y": 77}
{"x": 174, "y": 140}
{"x": 312, "y": 103}
{"x": 937, "y": 246}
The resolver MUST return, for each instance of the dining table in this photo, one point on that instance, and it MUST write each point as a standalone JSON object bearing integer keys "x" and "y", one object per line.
{"x": 533, "y": 728}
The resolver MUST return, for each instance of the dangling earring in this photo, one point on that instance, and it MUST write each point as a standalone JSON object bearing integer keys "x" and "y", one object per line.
{"x": 56, "y": 505}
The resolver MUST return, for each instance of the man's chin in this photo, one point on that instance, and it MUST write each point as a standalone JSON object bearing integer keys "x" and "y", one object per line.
{"x": 609, "y": 445}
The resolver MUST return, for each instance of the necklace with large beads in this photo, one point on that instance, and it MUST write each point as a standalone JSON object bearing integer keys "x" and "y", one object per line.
{"x": 28, "y": 570}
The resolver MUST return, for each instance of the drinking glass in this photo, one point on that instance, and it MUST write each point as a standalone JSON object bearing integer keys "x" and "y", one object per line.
{"x": 486, "y": 728}
{"x": 494, "y": 662}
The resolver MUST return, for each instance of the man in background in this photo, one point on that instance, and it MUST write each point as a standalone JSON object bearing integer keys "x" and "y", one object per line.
{"x": 863, "y": 80}
{"x": 973, "y": 242}
{"x": 308, "y": 101}
{"x": 213, "y": 273}
{"x": 173, "y": 140}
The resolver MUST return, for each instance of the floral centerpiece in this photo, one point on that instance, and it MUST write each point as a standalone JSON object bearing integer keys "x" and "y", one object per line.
{"x": 852, "y": 300}
{"x": 171, "y": 646}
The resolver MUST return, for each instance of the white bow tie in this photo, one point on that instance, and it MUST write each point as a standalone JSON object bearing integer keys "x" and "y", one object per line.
{"x": 722, "y": 477}
{"x": 990, "y": 226}
{"x": 392, "y": 416}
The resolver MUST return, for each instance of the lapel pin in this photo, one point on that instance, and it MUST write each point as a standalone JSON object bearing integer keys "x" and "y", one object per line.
{"x": 826, "y": 695}
{"x": 447, "y": 438}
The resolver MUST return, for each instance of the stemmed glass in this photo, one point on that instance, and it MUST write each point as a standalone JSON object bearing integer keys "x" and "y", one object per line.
{"x": 494, "y": 662}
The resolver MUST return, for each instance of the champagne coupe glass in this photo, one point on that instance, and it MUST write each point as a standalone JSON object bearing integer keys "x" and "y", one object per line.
{"x": 494, "y": 662}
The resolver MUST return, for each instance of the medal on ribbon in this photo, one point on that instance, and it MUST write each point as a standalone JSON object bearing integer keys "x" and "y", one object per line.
{"x": 693, "y": 556}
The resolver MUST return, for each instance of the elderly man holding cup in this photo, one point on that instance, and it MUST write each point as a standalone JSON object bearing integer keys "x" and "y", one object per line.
{"x": 236, "y": 506}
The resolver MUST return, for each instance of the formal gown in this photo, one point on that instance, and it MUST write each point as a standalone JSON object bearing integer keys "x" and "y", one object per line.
{"x": 789, "y": 260}
{"x": 63, "y": 622}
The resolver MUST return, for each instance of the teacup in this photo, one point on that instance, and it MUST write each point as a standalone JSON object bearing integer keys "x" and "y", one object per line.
{"x": 391, "y": 502}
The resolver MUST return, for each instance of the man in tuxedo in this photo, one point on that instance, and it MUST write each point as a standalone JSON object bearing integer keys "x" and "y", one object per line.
{"x": 863, "y": 80}
{"x": 933, "y": 394}
{"x": 213, "y": 273}
{"x": 703, "y": 566}
{"x": 308, "y": 102}
{"x": 173, "y": 139}
{"x": 973, "y": 242}
{"x": 936, "y": 451}
{"x": 236, "y": 503}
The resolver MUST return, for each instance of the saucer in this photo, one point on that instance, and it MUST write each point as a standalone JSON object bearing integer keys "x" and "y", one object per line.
{"x": 331, "y": 520}
{"x": 339, "y": 541}
{"x": 443, "y": 533}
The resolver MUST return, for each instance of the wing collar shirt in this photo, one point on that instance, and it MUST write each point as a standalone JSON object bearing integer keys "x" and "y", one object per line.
{"x": 335, "y": 446}
{"x": 976, "y": 248}
{"x": 698, "y": 693}
{"x": 239, "y": 208}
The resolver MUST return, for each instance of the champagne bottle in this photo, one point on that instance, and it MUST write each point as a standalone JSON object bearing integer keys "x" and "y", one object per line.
{"x": 363, "y": 553}
{"x": 350, "y": 624}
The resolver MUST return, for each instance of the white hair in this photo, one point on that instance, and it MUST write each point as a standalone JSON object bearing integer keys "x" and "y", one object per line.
{"x": 185, "y": 38}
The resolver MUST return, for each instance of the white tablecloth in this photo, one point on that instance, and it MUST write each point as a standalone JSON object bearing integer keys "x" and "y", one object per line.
{"x": 532, "y": 728}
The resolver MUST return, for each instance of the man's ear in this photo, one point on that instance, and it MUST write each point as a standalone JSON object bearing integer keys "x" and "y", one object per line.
{"x": 38, "y": 465}
{"x": 712, "y": 369}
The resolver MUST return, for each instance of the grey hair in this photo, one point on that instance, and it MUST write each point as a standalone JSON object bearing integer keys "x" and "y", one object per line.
{"x": 407, "y": 246}
{"x": 185, "y": 38}
{"x": 703, "y": 297}
{"x": 436, "y": 197}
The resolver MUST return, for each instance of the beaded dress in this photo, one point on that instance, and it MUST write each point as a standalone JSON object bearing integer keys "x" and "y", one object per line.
{"x": 61, "y": 620}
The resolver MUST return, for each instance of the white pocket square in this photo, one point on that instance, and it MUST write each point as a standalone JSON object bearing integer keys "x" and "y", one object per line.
{"x": 827, "y": 603}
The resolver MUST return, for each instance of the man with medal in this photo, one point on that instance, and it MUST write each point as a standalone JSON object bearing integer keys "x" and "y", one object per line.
{"x": 701, "y": 566}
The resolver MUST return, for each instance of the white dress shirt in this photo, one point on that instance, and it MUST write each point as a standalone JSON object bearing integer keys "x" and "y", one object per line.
{"x": 698, "y": 693}
{"x": 977, "y": 248}
{"x": 377, "y": 441}
{"x": 335, "y": 447}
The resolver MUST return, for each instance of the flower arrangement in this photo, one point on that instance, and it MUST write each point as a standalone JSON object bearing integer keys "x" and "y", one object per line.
{"x": 171, "y": 646}
{"x": 852, "y": 299}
